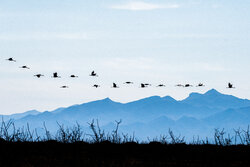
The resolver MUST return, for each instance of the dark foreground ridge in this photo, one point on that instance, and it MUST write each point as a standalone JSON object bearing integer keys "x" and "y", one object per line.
{"x": 71, "y": 147}
{"x": 52, "y": 153}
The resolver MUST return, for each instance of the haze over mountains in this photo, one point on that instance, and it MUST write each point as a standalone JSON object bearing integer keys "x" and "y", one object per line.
{"x": 198, "y": 114}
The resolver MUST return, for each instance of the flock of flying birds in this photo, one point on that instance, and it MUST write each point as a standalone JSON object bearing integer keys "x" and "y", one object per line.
{"x": 94, "y": 74}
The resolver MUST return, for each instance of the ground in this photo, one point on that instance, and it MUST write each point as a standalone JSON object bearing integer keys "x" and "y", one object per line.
{"x": 82, "y": 154}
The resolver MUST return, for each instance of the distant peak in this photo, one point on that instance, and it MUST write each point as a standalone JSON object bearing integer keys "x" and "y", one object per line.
{"x": 169, "y": 98}
{"x": 107, "y": 100}
{"x": 212, "y": 91}
{"x": 152, "y": 98}
{"x": 194, "y": 94}
{"x": 32, "y": 111}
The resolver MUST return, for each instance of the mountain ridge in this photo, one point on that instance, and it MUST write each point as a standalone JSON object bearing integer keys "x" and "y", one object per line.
{"x": 198, "y": 113}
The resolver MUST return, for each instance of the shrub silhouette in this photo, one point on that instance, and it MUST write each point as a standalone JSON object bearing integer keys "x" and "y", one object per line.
{"x": 74, "y": 134}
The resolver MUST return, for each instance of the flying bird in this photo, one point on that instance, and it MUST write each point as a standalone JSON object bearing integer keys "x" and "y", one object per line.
{"x": 230, "y": 85}
{"x": 55, "y": 75}
{"x": 128, "y": 82}
{"x": 188, "y": 85}
{"x": 96, "y": 86}
{"x": 93, "y": 74}
{"x": 11, "y": 59}
{"x": 73, "y": 76}
{"x": 161, "y": 85}
{"x": 38, "y": 75}
{"x": 179, "y": 85}
{"x": 24, "y": 67}
{"x": 115, "y": 85}
{"x": 143, "y": 85}
{"x": 200, "y": 85}
{"x": 64, "y": 87}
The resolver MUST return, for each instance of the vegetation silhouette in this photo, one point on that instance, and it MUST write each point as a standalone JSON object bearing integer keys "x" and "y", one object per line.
{"x": 70, "y": 146}
{"x": 10, "y": 133}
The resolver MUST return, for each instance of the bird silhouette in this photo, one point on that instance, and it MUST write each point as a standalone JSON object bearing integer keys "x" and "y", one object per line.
{"x": 143, "y": 85}
{"x": 230, "y": 85}
{"x": 188, "y": 85}
{"x": 179, "y": 85}
{"x": 115, "y": 85}
{"x": 73, "y": 76}
{"x": 93, "y": 74}
{"x": 128, "y": 82}
{"x": 24, "y": 67}
{"x": 200, "y": 85}
{"x": 96, "y": 86}
{"x": 64, "y": 87}
{"x": 11, "y": 59}
{"x": 38, "y": 75}
{"x": 161, "y": 85}
{"x": 55, "y": 75}
{"x": 147, "y": 84}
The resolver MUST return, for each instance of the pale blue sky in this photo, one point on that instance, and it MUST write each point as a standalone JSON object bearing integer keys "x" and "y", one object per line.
{"x": 160, "y": 41}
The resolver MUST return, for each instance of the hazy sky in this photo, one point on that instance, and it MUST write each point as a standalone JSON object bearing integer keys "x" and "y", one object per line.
{"x": 155, "y": 41}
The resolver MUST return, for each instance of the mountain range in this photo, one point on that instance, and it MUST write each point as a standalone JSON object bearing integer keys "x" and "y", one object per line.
{"x": 198, "y": 114}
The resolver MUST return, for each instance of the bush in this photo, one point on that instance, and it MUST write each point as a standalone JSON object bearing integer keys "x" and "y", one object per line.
{"x": 9, "y": 133}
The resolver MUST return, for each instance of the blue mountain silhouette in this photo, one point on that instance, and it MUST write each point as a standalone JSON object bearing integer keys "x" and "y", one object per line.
{"x": 214, "y": 99}
{"x": 197, "y": 114}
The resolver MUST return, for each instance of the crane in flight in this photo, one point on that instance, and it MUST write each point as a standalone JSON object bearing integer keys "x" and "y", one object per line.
{"x": 147, "y": 84}
{"x": 64, "y": 87}
{"x": 187, "y": 85}
{"x": 200, "y": 85}
{"x": 115, "y": 85}
{"x": 73, "y": 76}
{"x": 38, "y": 75}
{"x": 11, "y": 59}
{"x": 143, "y": 85}
{"x": 55, "y": 75}
{"x": 161, "y": 85}
{"x": 93, "y": 74}
{"x": 179, "y": 85}
{"x": 128, "y": 82}
{"x": 96, "y": 86}
{"x": 24, "y": 67}
{"x": 230, "y": 85}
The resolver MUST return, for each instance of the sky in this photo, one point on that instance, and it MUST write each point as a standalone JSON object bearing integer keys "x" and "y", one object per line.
{"x": 154, "y": 41}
